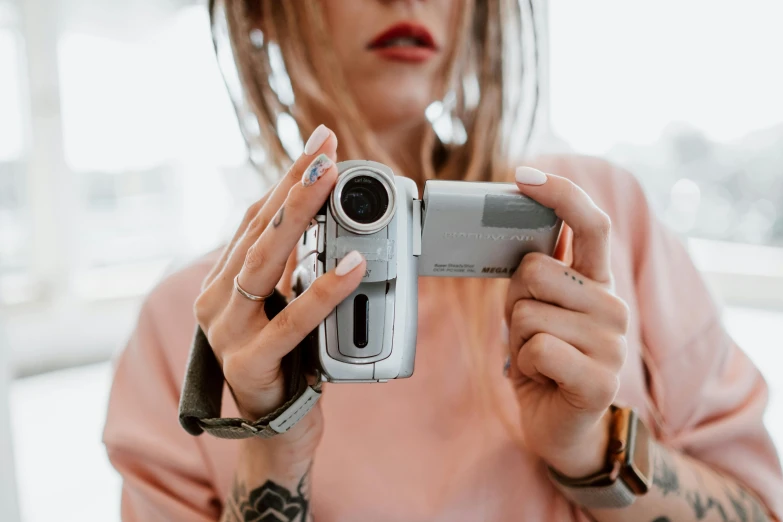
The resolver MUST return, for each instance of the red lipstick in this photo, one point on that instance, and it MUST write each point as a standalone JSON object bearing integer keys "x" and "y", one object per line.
{"x": 405, "y": 42}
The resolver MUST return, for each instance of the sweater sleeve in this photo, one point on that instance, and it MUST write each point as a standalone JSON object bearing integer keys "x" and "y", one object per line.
{"x": 164, "y": 471}
{"x": 710, "y": 397}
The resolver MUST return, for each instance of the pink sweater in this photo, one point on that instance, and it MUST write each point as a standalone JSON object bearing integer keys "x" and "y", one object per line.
{"x": 424, "y": 449}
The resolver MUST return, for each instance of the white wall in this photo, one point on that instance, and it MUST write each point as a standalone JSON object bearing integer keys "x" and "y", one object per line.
{"x": 8, "y": 502}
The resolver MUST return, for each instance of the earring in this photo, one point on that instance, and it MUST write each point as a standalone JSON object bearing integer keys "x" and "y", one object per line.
{"x": 257, "y": 38}
{"x": 445, "y": 123}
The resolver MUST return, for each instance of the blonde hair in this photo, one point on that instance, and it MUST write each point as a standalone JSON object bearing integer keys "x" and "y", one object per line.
{"x": 486, "y": 75}
{"x": 280, "y": 48}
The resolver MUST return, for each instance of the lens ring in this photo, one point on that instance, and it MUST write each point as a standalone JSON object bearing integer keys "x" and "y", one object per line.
{"x": 344, "y": 219}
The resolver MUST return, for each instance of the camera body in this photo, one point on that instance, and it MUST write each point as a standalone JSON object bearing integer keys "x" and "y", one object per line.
{"x": 458, "y": 229}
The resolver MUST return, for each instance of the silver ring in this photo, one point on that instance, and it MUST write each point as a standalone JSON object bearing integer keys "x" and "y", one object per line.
{"x": 247, "y": 294}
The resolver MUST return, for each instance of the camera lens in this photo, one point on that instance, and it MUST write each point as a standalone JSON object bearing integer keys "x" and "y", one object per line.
{"x": 364, "y": 199}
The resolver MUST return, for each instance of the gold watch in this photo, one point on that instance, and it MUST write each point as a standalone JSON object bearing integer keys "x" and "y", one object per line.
{"x": 628, "y": 470}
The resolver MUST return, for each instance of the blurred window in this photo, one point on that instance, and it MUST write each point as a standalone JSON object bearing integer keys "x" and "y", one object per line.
{"x": 141, "y": 140}
{"x": 686, "y": 94}
{"x": 147, "y": 135}
{"x": 135, "y": 166}
{"x": 14, "y": 215}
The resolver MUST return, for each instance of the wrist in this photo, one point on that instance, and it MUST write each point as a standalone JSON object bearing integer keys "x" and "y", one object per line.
{"x": 261, "y": 460}
{"x": 291, "y": 449}
{"x": 589, "y": 456}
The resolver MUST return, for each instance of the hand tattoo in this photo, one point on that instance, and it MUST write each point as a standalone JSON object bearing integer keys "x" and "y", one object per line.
{"x": 573, "y": 278}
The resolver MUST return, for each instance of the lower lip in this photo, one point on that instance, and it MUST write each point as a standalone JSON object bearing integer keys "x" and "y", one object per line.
{"x": 405, "y": 54}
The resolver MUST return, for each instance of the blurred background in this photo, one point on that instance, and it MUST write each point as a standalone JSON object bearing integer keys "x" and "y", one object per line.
{"x": 120, "y": 160}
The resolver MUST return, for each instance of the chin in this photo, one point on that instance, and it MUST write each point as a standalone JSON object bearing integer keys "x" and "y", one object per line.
{"x": 394, "y": 103}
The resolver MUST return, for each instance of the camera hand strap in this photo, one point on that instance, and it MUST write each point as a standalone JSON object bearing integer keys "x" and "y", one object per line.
{"x": 202, "y": 392}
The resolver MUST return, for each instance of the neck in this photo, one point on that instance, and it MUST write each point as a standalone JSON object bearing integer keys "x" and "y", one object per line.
{"x": 403, "y": 145}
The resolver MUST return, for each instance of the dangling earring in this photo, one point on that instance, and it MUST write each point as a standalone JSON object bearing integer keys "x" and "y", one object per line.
{"x": 257, "y": 38}
{"x": 448, "y": 127}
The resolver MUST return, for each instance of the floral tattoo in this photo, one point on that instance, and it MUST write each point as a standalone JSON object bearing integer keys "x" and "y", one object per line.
{"x": 270, "y": 502}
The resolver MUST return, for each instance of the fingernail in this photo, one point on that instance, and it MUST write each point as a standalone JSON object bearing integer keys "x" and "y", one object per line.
{"x": 348, "y": 263}
{"x": 530, "y": 176}
{"x": 316, "y": 140}
{"x": 316, "y": 169}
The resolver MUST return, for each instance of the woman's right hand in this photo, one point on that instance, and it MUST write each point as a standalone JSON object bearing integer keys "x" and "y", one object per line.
{"x": 248, "y": 345}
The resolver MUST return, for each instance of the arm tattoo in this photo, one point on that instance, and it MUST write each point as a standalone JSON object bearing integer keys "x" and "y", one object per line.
{"x": 757, "y": 514}
{"x": 702, "y": 506}
{"x": 665, "y": 476}
{"x": 270, "y": 502}
{"x": 278, "y": 218}
{"x": 739, "y": 508}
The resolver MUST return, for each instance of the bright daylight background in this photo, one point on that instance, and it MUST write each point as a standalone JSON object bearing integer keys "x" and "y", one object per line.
{"x": 120, "y": 160}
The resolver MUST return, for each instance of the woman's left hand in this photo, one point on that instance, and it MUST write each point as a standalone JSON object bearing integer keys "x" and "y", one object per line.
{"x": 566, "y": 333}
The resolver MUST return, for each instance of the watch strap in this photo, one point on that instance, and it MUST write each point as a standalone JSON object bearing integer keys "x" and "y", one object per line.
{"x": 202, "y": 391}
{"x": 622, "y": 480}
{"x": 614, "y": 495}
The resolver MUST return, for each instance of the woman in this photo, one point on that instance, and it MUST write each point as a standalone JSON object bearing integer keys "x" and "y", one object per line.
{"x": 593, "y": 327}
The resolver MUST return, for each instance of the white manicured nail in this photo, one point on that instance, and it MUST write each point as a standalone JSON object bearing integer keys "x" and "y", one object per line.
{"x": 348, "y": 263}
{"x": 316, "y": 139}
{"x": 530, "y": 176}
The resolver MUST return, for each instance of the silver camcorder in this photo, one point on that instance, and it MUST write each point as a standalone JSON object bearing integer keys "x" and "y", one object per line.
{"x": 458, "y": 229}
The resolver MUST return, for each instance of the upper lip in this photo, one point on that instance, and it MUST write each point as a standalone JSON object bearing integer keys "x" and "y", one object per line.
{"x": 405, "y": 30}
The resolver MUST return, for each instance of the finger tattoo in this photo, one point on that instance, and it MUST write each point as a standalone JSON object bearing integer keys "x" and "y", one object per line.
{"x": 573, "y": 277}
{"x": 278, "y": 218}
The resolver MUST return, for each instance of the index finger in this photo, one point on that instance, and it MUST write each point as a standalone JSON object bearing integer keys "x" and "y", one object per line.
{"x": 322, "y": 141}
{"x": 325, "y": 144}
{"x": 220, "y": 263}
{"x": 591, "y": 225}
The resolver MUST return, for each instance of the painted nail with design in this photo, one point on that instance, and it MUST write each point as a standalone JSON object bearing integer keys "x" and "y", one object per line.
{"x": 317, "y": 168}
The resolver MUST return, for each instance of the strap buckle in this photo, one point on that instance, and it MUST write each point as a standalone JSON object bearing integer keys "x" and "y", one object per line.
{"x": 249, "y": 427}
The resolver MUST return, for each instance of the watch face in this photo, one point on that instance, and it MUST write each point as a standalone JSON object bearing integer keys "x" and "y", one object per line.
{"x": 639, "y": 471}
